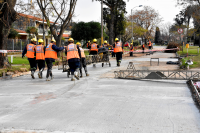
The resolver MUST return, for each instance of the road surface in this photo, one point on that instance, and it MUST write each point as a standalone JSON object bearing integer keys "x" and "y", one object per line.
{"x": 97, "y": 104}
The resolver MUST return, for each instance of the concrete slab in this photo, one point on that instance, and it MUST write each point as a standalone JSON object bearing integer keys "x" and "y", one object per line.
{"x": 96, "y": 104}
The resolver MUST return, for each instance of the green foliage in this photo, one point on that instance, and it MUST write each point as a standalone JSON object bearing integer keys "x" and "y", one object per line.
{"x": 157, "y": 35}
{"x": 32, "y": 30}
{"x": 86, "y": 31}
{"x": 13, "y": 33}
{"x": 118, "y": 10}
{"x": 19, "y": 60}
{"x": 136, "y": 43}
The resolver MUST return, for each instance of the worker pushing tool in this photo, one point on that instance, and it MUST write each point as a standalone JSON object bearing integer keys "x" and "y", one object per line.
{"x": 50, "y": 56}
{"x": 40, "y": 52}
{"x": 29, "y": 50}
{"x": 82, "y": 61}
{"x": 73, "y": 54}
{"x": 94, "y": 50}
{"x": 118, "y": 50}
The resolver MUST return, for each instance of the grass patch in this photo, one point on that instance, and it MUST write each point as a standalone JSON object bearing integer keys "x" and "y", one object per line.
{"x": 19, "y": 60}
{"x": 195, "y": 59}
{"x": 193, "y": 50}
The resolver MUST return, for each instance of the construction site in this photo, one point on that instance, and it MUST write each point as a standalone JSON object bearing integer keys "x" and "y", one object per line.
{"x": 144, "y": 95}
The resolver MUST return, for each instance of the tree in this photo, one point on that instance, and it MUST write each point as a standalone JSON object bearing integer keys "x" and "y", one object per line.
{"x": 147, "y": 18}
{"x": 119, "y": 24}
{"x": 113, "y": 6}
{"x": 166, "y": 34}
{"x": 157, "y": 35}
{"x": 138, "y": 31}
{"x": 86, "y": 31}
{"x": 13, "y": 33}
{"x": 7, "y": 16}
{"x": 63, "y": 10}
{"x": 32, "y": 31}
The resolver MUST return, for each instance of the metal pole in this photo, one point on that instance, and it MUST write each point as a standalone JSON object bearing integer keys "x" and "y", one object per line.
{"x": 13, "y": 43}
{"x": 43, "y": 31}
{"x": 132, "y": 25}
{"x": 21, "y": 43}
{"x": 101, "y": 22}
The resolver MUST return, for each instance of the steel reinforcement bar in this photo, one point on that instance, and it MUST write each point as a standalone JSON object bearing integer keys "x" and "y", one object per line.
{"x": 161, "y": 74}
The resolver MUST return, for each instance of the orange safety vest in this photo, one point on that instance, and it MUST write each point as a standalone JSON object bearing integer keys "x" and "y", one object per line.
{"x": 118, "y": 47}
{"x": 88, "y": 45}
{"x": 39, "y": 52}
{"x": 149, "y": 43}
{"x": 72, "y": 51}
{"x": 143, "y": 45}
{"x": 82, "y": 53}
{"x": 131, "y": 48}
{"x": 94, "y": 47}
{"x": 49, "y": 52}
{"x": 30, "y": 50}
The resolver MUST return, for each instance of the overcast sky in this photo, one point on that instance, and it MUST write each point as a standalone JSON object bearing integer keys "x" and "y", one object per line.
{"x": 86, "y": 10}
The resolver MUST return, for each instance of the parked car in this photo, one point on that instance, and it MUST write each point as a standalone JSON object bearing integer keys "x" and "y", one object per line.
{"x": 126, "y": 44}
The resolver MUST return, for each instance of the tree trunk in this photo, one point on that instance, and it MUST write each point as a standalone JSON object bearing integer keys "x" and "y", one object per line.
{"x": 8, "y": 15}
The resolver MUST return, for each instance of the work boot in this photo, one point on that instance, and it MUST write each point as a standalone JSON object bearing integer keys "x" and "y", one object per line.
{"x": 119, "y": 63}
{"x": 51, "y": 76}
{"x": 32, "y": 74}
{"x": 72, "y": 78}
{"x": 76, "y": 74}
{"x": 48, "y": 79}
{"x": 40, "y": 74}
{"x": 87, "y": 74}
{"x": 81, "y": 75}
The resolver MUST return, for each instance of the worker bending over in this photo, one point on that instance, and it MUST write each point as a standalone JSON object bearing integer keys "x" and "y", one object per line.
{"x": 40, "y": 52}
{"x": 50, "y": 56}
{"x": 29, "y": 50}
{"x": 82, "y": 61}
{"x": 73, "y": 57}
{"x": 118, "y": 50}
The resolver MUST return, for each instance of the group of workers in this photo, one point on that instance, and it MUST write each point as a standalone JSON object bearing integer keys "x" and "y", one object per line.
{"x": 38, "y": 54}
{"x": 116, "y": 49}
{"x": 143, "y": 47}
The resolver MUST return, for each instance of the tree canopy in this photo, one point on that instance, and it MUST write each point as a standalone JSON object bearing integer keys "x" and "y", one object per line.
{"x": 112, "y": 7}
{"x": 86, "y": 31}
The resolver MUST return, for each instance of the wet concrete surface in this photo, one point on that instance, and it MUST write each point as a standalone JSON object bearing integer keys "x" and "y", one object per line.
{"x": 97, "y": 104}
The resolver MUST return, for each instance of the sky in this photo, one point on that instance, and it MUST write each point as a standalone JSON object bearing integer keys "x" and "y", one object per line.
{"x": 87, "y": 11}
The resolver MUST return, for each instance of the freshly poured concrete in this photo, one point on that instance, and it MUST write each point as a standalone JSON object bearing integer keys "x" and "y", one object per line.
{"x": 97, "y": 104}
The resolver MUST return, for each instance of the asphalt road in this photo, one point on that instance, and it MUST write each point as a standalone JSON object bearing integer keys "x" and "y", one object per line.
{"x": 96, "y": 104}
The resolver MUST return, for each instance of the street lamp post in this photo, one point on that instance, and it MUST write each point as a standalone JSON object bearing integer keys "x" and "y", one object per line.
{"x": 132, "y": 21}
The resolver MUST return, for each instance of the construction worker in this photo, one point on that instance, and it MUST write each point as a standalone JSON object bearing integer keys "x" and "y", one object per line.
{"x": 50, "y": 56}
{"x": 88, "y": 45}
{"x": 73, "y": 57}
{"x": 82, "y": 61}
{"x": 131, "y": 49}
{"x": 143, "y": 47}
{"x": 94, "y": 48}
{"x": 105, "y": 44}
{"x": 118, "y": 50}
{"x": 150, "y": 45}
{"x": 40, "y": 52}
{"x": 29, "y": 50}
